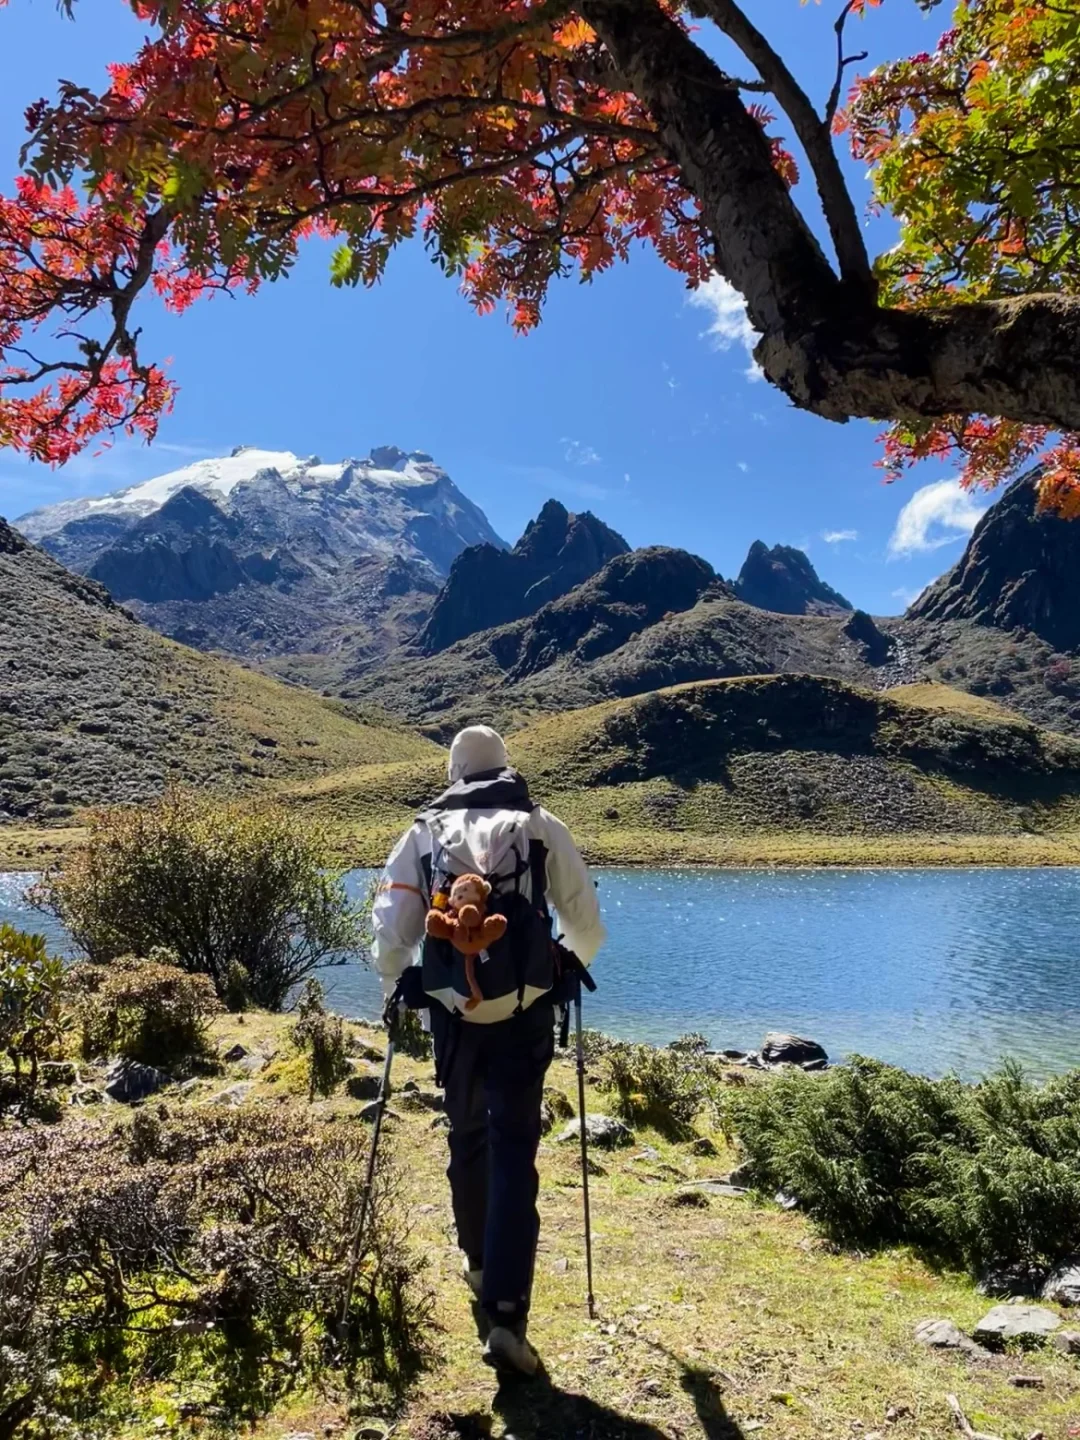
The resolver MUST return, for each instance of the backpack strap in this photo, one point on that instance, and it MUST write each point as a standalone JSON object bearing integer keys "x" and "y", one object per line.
{"x": 537, "y": 863}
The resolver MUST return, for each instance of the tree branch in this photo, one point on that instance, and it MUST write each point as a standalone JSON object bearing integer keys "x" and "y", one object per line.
{"x": 814, "y": 136}
{"x": 842, "y": 62}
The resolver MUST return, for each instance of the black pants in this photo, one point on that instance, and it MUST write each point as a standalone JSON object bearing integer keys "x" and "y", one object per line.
{"x": 493, "y": 1077}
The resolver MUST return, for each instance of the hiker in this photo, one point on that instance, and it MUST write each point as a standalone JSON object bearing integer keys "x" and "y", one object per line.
{"x": 491, "y": 1053}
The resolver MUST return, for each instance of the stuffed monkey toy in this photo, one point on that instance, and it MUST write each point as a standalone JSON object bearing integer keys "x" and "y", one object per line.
{"x": 467, "y": 925}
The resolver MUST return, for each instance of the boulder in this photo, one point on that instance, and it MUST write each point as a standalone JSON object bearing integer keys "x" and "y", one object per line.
{"x": 1026, "y": 1324}
{"x": 1063, "y": 1286}
{"x": 371, "y": 1109}
{"x": 362, "y": 1087}
{"x": 1067, "y": 1341}
{"x": 783, "y": 1049}
{"x": 603, "y": 1131}
{"x": 1005, "y": 1281}
{"x": 421, "y": 1099}
{"x": 235, "y": 1054}
{"x": 253, "y": 1064}
{"x": 127, "y": 1081}
{"x": 561, "y": 1106}
{"x": 440, "y": 1122}
{"x": 86, "y": 1095}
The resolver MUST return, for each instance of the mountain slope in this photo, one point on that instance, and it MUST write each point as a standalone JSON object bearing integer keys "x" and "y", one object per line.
{"x": 1020, "y": 570}
{"x": 489, "y": 587}
{"x": 96, "y": 707}
{"x": 262, "y": 554}
{"x": 649, "y": 618}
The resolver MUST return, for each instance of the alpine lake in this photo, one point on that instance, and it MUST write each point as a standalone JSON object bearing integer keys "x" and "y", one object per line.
{"x": 936, "y": 970}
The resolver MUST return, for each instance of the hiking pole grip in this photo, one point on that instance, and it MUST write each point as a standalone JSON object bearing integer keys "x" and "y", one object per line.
{"x": 584, "y": 1140}
{"x": 369, "y": 1178}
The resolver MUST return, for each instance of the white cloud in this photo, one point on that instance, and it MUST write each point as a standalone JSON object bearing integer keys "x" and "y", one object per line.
{"x": 938, "y": 514}
{"x": 730, "y": 324}
{"x": 836, "y": 537}
{"x": 907, "y": 596}
{"x": 743, "y": 466}
{"x": 575, "y": 453}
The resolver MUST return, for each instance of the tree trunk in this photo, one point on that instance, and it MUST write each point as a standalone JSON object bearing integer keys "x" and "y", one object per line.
{"x": 825, "y": 343}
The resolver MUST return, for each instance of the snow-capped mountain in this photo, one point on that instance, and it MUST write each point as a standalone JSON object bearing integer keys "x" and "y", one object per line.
{"x": 263, "y": 553}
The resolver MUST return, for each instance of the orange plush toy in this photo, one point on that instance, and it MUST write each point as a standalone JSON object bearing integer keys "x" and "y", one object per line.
{"x": 467, "y": 925}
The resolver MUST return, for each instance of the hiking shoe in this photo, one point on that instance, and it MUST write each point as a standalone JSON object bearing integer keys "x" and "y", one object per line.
{"x": 473, "y": 1276}
{"x": 511, "y": 1353}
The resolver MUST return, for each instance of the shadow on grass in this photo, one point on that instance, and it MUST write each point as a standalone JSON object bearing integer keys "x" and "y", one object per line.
{"x": 539, "y": 1410}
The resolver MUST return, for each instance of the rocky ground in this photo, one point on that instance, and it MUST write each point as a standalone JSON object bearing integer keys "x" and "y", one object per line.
{"x": 719, "y": 1314}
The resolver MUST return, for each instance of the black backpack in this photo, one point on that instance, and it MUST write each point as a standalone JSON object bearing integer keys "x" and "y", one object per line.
{"x": 523, "y": 958}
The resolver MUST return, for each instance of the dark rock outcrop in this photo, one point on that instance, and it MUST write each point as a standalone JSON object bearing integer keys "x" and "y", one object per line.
{"x": 782, "y": 579}
{"x": 629, "y": 594}
{"x": 877, "y": 647}
{"x": 489, "y": 587}
{"x": 1020, "y": 571}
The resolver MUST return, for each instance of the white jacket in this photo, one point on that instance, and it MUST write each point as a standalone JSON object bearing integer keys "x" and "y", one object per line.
{"x": 489, "y": 842}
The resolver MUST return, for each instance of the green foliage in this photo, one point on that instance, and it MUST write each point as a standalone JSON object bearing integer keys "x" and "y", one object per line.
{"x": 981, "y": 1176}
{"x": 31, "y": 1021}
{"x": 322, "y": 1038}
{"x": 208, "y": 1253}
{"x": 147, "y": 1010}
{"x": 231, "y": 889}
{"x": 663, "y": 1088}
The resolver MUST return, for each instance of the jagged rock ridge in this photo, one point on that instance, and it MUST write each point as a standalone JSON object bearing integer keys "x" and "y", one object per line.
{"x": 1020, "y": 571}
{"x": 489, "y": 587}
{"x": 783, "y": 580}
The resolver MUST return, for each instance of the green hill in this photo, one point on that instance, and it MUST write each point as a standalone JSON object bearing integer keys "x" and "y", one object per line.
{"x": 767, "y": 769}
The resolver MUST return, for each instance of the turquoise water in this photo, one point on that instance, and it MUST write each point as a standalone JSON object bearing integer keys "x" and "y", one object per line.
{"x": 930, "y": 969}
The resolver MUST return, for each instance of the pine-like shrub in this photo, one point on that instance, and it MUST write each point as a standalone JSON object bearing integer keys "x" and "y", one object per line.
{"x": 663, "y": 1088}
{"x": 977, "y": 1175}
{"x": 236, "y": 891}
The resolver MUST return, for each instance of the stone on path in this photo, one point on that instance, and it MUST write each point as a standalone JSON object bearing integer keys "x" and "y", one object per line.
{"x": 603, "y": 1131}
{"x": 783, "y": 1049}
{"x": 1028, "y": 1324}
{"x": 941, "y": 1335}
{"x": 1063, "y": 1286}
{"x": 127, "y": 1081}
{"x": 233, "y": 1095}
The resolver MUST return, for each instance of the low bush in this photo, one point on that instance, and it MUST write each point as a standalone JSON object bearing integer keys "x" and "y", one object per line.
{"x": 31, "y": 1010}
{"x": 982, "y": 1176}
{"x": 210, "y": 1253}
{"x": 664, "y": 1088}
{"x": 322, "y": 1039}
{"x": 147, "y": 1010}
{"x": 243, "y": 893}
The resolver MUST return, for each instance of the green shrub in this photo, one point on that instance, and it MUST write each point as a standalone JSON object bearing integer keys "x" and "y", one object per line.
{"x": 206, "y": 1253}
{"x": 146, "y": 1010}
{"x": 322, "y": 1038}
{"x": 411, "y": 1038}
{"x": 31, "y": 1017}
{"x": 234, "y": 890}
{"x": 663, "y": 1088}
{"x": 981, "y": 1176}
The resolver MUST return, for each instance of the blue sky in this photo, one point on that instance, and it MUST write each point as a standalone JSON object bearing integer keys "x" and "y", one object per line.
{"x": 629, "y": 400}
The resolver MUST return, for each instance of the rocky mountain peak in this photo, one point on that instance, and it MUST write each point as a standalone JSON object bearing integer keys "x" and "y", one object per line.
{"x": 1020, "y": 571}
{"x": 488, "y": 587}
{"x": 782, "y": 579}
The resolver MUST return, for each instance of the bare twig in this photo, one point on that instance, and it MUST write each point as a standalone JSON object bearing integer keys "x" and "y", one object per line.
{"x": 842, "y": 62}
{"x": 963, "y": 1424}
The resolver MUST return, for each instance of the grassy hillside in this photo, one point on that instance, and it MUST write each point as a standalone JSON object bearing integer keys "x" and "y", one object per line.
{"x": 772, "y": 769}
{"x": 96, "y": 707}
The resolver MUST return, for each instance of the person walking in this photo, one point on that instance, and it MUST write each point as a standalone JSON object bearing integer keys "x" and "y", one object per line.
{"x": 492, "y": 1014}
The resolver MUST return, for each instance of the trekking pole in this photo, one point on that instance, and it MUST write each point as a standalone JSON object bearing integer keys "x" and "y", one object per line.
{"x": 369, "y": 1178}
{"x": 584, "y": 1140}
